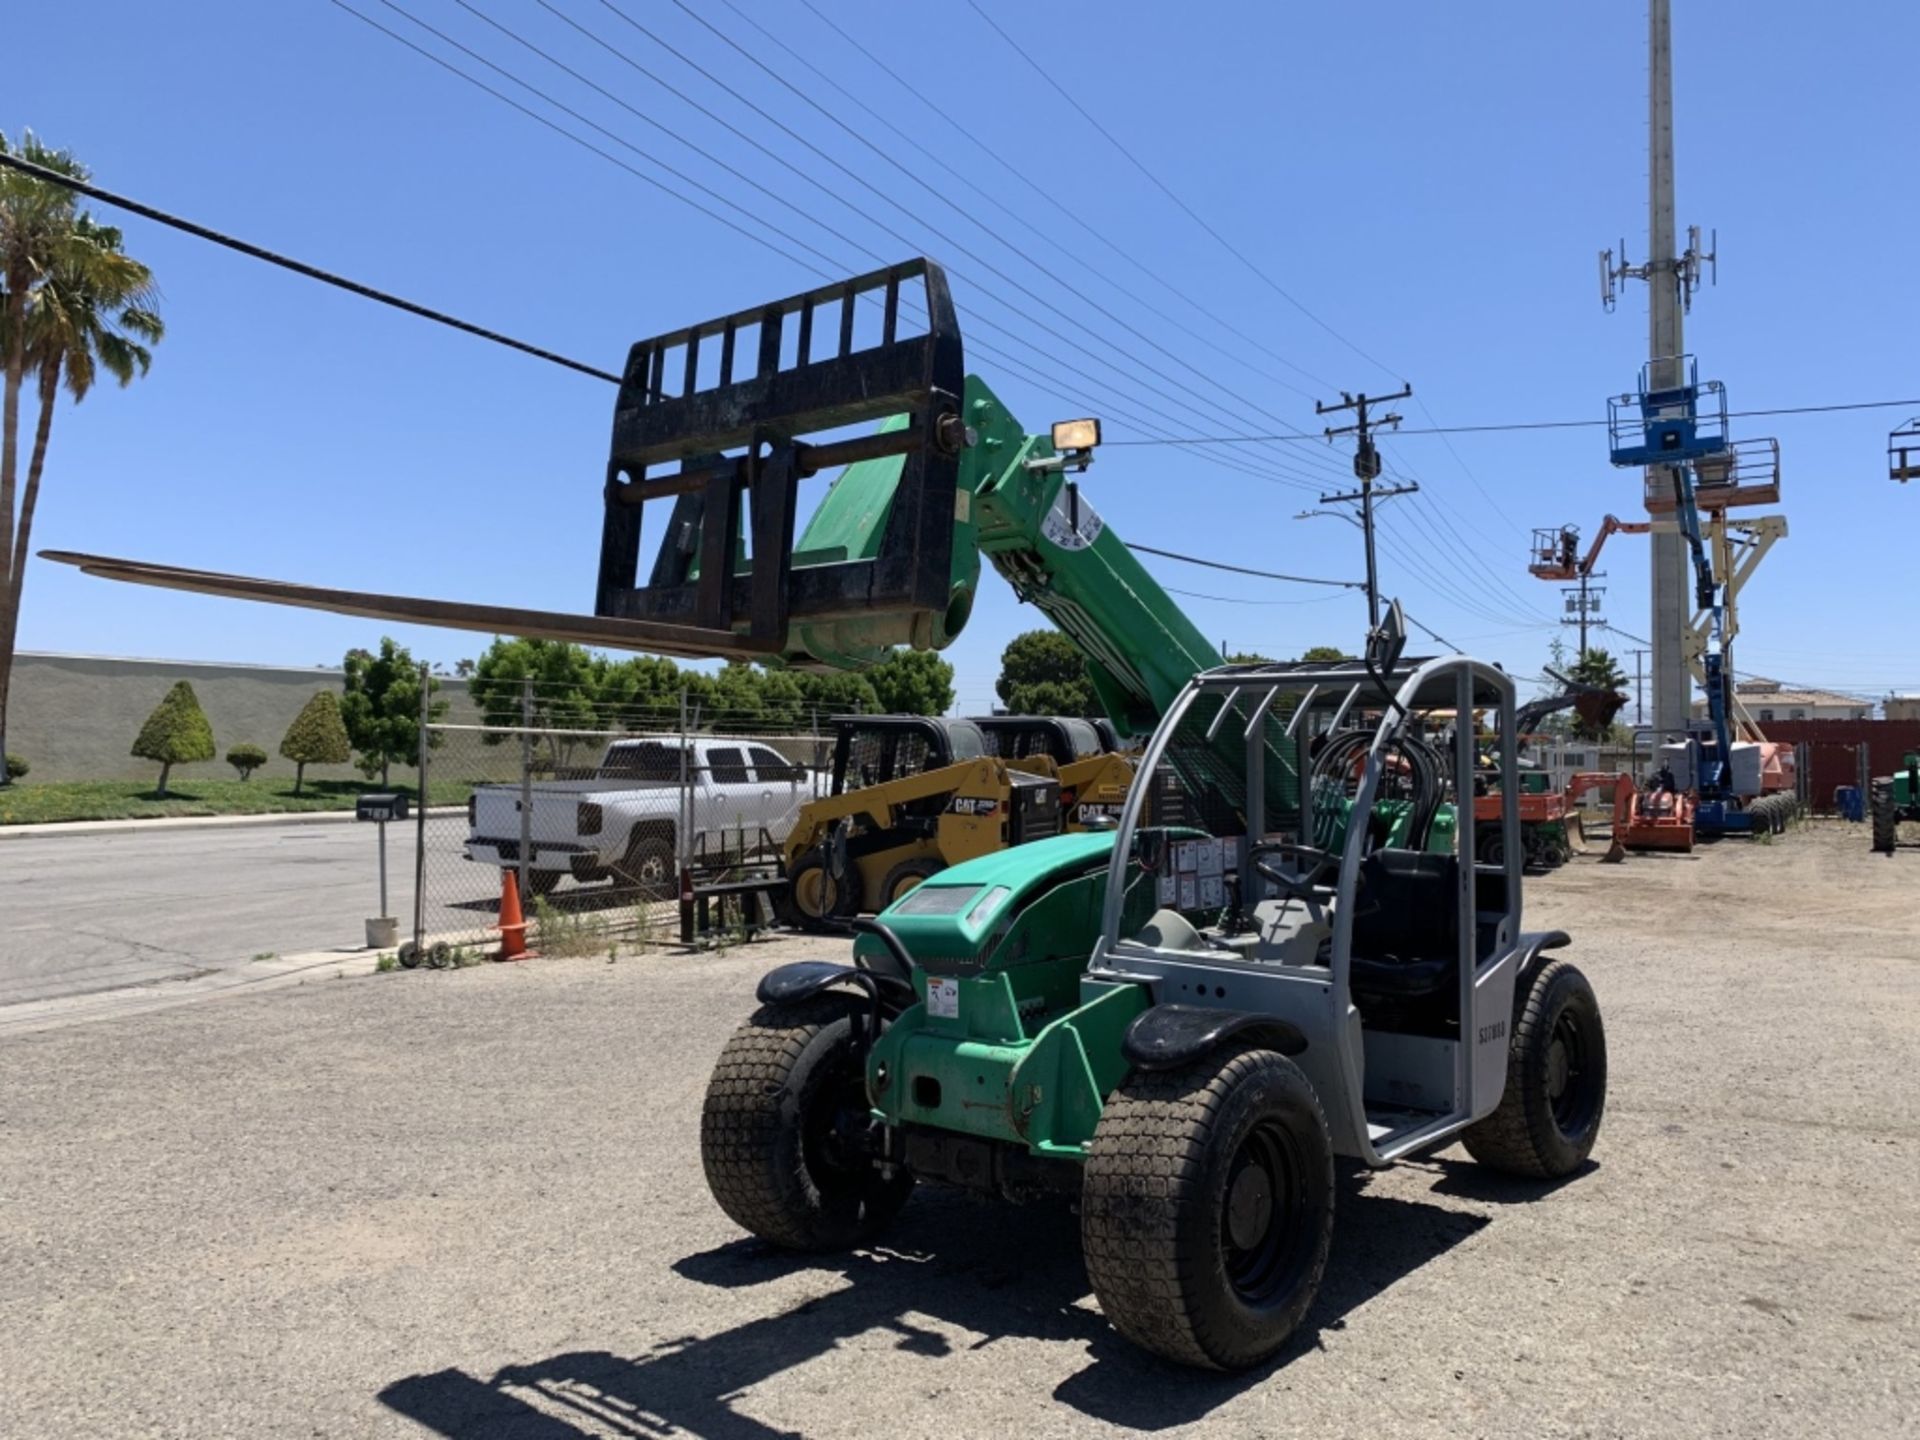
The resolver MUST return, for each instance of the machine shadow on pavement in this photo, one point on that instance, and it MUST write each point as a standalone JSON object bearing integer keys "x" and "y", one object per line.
{"x": 951, "y": 1260}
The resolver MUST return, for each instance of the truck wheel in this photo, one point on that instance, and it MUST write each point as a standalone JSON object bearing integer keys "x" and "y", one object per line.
{"x": 817, "y": 897}
{"x": 904, "y": 879}
{"x": 1886, "y": 821}
{"x": 1556, "y": 1089}
{"x": 1207, "y": 1207}
{"x": 647, "y": 867}
{"x": 780, "y": 1132}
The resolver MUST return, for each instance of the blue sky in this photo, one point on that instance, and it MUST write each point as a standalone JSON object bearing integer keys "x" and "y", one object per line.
{"x": 1430, "y": 182}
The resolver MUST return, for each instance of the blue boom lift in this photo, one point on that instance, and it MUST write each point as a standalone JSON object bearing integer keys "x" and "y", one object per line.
{"x": 1667, "y": 425}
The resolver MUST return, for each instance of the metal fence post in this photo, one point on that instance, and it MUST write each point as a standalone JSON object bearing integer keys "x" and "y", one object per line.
{"x": 526, "y": 783}
{"x": 420, "y": 818}
{"x": 682, "y": 851}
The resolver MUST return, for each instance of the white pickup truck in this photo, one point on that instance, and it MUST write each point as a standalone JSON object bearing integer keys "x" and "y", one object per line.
{"x": 623, "y": 823}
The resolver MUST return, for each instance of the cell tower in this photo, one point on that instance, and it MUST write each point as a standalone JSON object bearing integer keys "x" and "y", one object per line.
{"x": 1676, "y": 420}
{"x": 1671, "y": 280}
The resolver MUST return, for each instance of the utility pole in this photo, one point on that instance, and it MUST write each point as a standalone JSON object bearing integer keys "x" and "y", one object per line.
{"x": 1366, "y": 468}
{"x": 1584, "y": 604}
{"x": 1671, "y": 277}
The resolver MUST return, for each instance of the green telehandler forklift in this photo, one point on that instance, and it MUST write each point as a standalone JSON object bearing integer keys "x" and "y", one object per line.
{"x": 1182, "y": 1024}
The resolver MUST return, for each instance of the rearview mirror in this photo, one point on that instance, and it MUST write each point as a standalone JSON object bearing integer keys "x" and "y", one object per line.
{"x": 1386, "y": 640}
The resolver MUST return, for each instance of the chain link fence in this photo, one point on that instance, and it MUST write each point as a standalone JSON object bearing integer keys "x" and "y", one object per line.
{"x": 599, "y": 830}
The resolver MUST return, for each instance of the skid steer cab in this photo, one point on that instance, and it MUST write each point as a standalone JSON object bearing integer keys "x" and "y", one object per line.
{"x": 1183, "y": 1023}
{"x": 1083, "y": 755}
{"x": 911, "y": 795}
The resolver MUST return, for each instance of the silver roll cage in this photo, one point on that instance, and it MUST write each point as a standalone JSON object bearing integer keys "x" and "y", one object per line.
{"x": 1414, "y": 687}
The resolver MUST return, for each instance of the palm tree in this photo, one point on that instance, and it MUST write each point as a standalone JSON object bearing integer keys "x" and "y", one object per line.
{"x": 73, "y": 304}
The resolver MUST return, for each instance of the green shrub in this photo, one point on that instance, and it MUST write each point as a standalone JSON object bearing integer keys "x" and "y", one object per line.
{"x": 246, "y": 759}
{"x": 16, "y": 767}
{"x": 176, "y": 733}
{"x": 318, "y": 736}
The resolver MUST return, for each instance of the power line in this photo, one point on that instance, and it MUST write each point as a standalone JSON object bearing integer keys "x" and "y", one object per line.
{"x": 355, "y": 287}
{"x": 1066, "y": 93}
{"x": 1203, "y": 397}
{"x": 298, "y": 267}
{"x": 918, "y": 92}
{"x": 836, "y": 265}
{"x": 1241, "y": 600}
{"x": 1434, "y": 634}
{"x": 1243, "y": 570}
{"x": 1517, "y": 425}
{"x": 1024, "y": 220}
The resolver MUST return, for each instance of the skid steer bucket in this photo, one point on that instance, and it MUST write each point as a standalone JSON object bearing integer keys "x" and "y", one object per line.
{"x": 724, "y": 421}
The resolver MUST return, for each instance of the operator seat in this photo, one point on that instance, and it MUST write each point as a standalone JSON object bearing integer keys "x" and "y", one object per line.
{"x": 1406, "y": 929}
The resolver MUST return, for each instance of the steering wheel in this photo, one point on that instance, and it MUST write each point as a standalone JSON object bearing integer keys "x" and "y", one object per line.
{"x": 1292, "y": 885}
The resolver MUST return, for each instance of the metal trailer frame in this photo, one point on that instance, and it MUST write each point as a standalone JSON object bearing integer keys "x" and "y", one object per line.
{"x": 1352, "y": 1067}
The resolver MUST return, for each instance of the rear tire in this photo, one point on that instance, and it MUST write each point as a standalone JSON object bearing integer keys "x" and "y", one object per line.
{"x": 1206, "y": 1211}
{"x": 903, "y": 879}
{"x": 1549, "y": 1114}
{"x": 785, "y": 1103}
{"x": 647, "y": 868}
{"x": 1886, "y": 820}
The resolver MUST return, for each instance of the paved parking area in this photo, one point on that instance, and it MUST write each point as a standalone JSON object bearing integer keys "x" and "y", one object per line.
{"x": 469, "y": 1204}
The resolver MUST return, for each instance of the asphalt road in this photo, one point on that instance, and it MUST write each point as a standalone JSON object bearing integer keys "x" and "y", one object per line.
{"x": 136, "y": 906}
{"x": 469, "y": 1204}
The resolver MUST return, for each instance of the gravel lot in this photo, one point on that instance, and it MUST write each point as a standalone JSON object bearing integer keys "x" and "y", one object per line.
{"x": 470, "y": 1204}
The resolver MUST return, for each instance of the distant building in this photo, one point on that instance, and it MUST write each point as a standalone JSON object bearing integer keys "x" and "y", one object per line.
{"x": 1770, "y": 700}
{"x": 1900, "y": 707}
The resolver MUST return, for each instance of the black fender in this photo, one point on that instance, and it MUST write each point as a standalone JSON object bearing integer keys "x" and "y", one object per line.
{"x": 1532, "y": 944}
{"x": 1165, "y": 1037}
{"x": 802, "y": 979}
{"x": 798, "y": 980}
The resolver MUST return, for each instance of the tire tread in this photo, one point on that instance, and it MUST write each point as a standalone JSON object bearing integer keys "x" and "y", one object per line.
{"x": 742, "y": 1125}
{"x": 1150, "y": 1147}
{"x": 1510, "y": 1139}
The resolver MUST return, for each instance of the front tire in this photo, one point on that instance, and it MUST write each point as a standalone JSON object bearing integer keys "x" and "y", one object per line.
{"x": 816, "y": 897}
{"x": 785, "y": 1110}
{"x": 1549, "y": 1114}
{"x": 1207, "y": 1208}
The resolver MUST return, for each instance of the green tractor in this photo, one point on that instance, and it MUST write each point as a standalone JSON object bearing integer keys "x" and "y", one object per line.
{"x": 1180, "y": 1024}
{"x": 1891, "y": 799}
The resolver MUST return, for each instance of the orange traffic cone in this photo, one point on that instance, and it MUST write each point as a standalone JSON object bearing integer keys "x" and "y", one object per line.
{"x": 513, "y": 925}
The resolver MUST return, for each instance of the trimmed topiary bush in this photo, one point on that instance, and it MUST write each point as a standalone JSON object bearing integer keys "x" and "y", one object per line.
{"x": 246, "y": 759}
{"x": 16, "y": 767}
{"x": 176, "y": 733}
{"x": 318, "y": 736}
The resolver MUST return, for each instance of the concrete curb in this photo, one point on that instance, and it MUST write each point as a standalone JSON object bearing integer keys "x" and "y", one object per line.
{"x": 30, "y": 1016}
{"x": 190, "y": 822}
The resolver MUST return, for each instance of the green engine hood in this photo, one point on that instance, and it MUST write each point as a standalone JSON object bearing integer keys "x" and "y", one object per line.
{"x": 954, "y": 913}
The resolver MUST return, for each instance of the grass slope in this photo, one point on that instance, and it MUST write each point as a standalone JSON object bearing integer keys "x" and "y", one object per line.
{"x": 25, "y": 803}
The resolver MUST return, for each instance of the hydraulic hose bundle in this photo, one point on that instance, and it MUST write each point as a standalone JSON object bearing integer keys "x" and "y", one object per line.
{"x": 1412, "y": 770}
